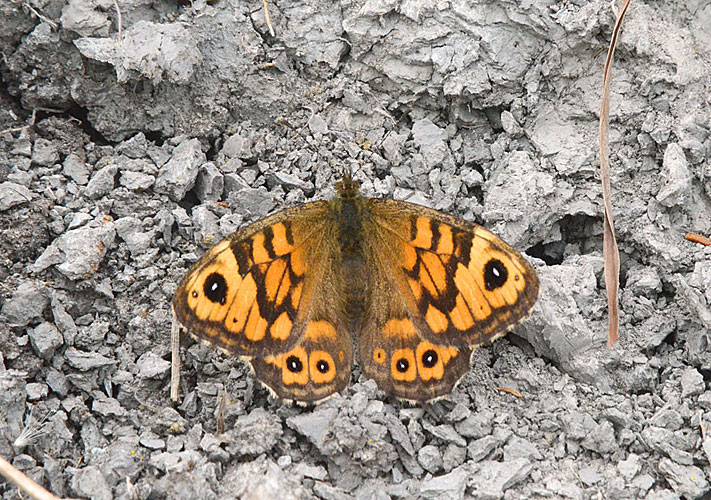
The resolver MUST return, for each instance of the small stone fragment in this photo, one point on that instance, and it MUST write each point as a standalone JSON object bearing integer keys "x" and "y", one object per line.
{"x": 398, "y": 432}
{"x": 692, "y": 382}
{"x": 129, "y": 230}
{"x": 25, "y": 305}
{"x": 453, "y": 457}
{"x": 261, "y": 479}
{"x": 254, "y": 434}
{"x": 517, "y": 447}
{"x": 152, "y": 366}
{"x": 12, "y": 194}
{"x": 210, "y": 183}
{"x": 289, "y": 181}
{"x": 315, "y": 426}
{"x": 677, "y": 185}
{"x": 588, "y": 476}
{"x": 44, "y": 153}
{"x": 85, "y": 19}
{"x": 629, "y": 467}
{"x": 102, "y": 182}
{"x": 89, "y": 482}
{"x": 57, "y": 381}
{"x": 237, "y": 146}
{"x": 135, "y": 147}
{"x": 107, "y": 406}
{"x": 445, "y": 432}
{"x": 179, "y": 174}
{"x": 476, "y": 425}
{"x": 152, "y": 441}
{"x": 431, "y": 140}
{"x": 481, "y": 448}
{"x": 136, "y": 181}
{"x": 86, "y": 360}
{"x": 687, "y": 481}
{"x": 430, "y": 458}
{"x": 314, "y": 472}
{"x": 493, "y": 478}
{"x": 36, "y": 391}
{"x": 75, "y": 168}
{"x": 78, "y": 253}
{"x": 45, "y": 339}
{"x": 446, "y": 487}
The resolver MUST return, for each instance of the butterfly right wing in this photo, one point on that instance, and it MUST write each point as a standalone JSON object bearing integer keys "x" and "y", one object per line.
{"x": 439, "y": 287}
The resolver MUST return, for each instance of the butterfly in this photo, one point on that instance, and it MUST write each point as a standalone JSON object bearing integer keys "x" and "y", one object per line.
{"x": 413, "y": 290}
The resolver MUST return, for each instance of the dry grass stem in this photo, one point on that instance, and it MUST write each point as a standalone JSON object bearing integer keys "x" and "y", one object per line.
{"x": 610, "y": 252}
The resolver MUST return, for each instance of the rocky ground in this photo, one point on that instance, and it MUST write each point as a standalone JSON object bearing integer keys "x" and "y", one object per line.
{"x": 123, "y": 156}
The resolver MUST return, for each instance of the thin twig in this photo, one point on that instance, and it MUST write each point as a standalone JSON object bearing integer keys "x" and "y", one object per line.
{"x": 42, "y": 17}
{"x": 19, "y": 129}
{"x": 610, "y": 252}
{"x": 118, "y": 20}
{"x": 220, "y": 411}
{"x": 698, "y": 238}
{"x": 175, "y": 360}
{"x": 19, "y": 479}
{"x": 269, "y": 22}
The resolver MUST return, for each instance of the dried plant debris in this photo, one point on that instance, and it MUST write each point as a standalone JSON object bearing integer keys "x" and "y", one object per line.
{"x": 135, "y": 161}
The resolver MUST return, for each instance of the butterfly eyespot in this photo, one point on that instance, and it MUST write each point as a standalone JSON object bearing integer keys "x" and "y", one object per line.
{"x": 215, "y": 288}
{"x": 379, "y": 355}
{"x": 430, "y": 358}
{"x": 195, "y": 294}
{"x": 294, "y": 364}
{"x": 322, "y": 366}
{"x": 495, "y": 274}
{"x": 402, "y": 365}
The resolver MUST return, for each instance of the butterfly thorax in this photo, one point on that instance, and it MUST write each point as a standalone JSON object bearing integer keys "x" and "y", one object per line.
{"x": 347, "y": 207}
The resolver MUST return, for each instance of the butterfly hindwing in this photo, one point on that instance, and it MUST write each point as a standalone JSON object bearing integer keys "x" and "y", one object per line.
{"x": 407, "y": 366}
{"x": 317, "y": 367}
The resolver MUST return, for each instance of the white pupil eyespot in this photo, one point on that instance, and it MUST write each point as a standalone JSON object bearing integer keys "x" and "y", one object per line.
{"x": 495, "y": 271}
{"x": 214, "y": 287}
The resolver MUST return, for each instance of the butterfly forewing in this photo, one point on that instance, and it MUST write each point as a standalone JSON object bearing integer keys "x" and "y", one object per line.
{"x": 250, "y": 294}
{"x": 463, "y": 285}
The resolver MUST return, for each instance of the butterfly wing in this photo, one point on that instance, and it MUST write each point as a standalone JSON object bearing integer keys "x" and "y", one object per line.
{"x": 440, "y": 287}
{"x": 273, "y": 293}
{"x": 251, "y": 294}
{"x": 317, "y": 367}
{"x": 462, "y": 283}
{"x": 407, "y": 366}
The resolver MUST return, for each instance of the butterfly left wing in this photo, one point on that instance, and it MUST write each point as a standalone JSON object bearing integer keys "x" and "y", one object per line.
{"x": 273, "y": 293}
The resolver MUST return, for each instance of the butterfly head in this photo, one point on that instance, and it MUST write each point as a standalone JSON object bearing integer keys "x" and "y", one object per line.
{"x": 347, "y": 188}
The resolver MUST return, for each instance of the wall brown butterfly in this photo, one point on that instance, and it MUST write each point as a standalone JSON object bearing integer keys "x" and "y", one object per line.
{"x": 417, "y": 289}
